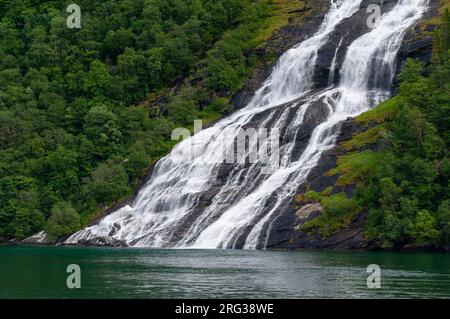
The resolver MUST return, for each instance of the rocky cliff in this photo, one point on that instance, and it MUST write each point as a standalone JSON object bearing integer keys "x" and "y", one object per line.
{"x": 303, "y": 22}
{"x": 295, "y": 227}
{"x": 291, "y": 229}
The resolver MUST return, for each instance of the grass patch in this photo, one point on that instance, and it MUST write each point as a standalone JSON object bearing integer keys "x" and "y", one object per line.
{"x": 338, "y": 213}
{"x": 354, "y": 167}
{"x": 279, "y": 13}
{"x": 365, "y": 138}
{"x": 283, "y": 10}
{"x": 436, "y": 21}
{"x": 312, "y": 196}
{"x": 380, "y": 113}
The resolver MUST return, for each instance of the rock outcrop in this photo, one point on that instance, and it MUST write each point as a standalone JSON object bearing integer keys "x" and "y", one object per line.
{"x": 40, "y": 238}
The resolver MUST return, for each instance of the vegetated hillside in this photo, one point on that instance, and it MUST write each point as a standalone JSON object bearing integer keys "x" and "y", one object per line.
{"x": 78, "y": 121}
{"x": 390, "y": 186}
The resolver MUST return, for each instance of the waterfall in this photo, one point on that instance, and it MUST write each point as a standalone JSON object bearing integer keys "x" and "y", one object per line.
{"x": 242, "y": 199}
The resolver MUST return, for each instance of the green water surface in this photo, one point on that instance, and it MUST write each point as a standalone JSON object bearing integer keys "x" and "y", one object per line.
{"x": 40, "y": 272}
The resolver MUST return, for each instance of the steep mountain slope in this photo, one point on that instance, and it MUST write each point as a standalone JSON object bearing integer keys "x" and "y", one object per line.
{"x": 190, "y": 204}
{"x": 83, "y": 112}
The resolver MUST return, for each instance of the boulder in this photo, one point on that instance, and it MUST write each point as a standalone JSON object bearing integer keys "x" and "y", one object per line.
{"x": 40, "y": 238}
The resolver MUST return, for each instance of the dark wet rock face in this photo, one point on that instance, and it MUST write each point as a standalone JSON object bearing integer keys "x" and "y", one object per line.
{"x": 418, "y": 42}
{"x": 350, "y": 238}
{"x": 103, "y": 242}
{"x": 332, "y": 54}
{"x": 416, "y": 45}
{"x": 287, "y": 232}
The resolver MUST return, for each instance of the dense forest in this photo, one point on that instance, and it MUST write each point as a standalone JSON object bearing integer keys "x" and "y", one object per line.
{"x": 77, "y": 132}
{"x": 409, "y": 190}
{"x": 74, "y": 133}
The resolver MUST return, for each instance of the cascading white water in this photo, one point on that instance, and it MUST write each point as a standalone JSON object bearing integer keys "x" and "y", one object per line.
{"x": 167, "y": 211}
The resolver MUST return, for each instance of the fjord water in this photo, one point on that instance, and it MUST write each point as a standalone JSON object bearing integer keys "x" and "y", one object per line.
{"x": 40, "y": 272}
{"x": 169, "y": 211}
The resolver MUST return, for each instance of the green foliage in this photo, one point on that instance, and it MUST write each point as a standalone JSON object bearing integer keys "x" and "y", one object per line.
{"x": 312, "y": 197}
{"x": 353, "y": 167}
{"x": 97, "y": 80}
{"x": 63, "y": 221}
{"x": 338, "y": 212}
{"x": 411, "y": 73}
{"x": 423, "y": 229}
{"x": 100, "y": 127}
{"x": 443, "y": 216}
{"x": 76, "y": 122}
{"x": 19, "y": 203}
{"x": 406, "y": 186}
{"x": 107, "y": 183}
{"x": 380, "y": 113}
{"x": 367, "y": 137}
{"x": 227, "y": 63}
{"x": 27, "y": 222}
{"x": 408, "y": 192}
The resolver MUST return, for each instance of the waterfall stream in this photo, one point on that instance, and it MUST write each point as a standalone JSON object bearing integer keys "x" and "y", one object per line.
{"x": 170, "y": 209}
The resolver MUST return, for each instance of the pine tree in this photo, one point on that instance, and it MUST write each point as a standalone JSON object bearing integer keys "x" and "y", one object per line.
{"x": 446, "y": 30}
{"x": 438, "y": 59}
